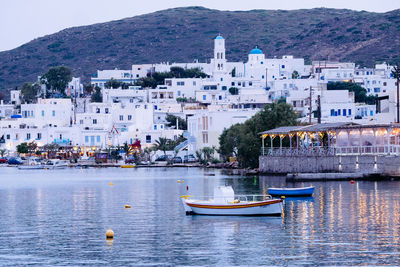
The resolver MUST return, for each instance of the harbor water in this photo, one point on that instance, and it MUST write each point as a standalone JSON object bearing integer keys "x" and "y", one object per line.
{"x": 60, "y": 217}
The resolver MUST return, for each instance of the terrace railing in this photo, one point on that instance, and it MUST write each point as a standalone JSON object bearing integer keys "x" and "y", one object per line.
{"x": 331, "y": 151}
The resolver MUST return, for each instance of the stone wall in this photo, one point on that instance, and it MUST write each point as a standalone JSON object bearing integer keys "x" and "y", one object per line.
{"x": 386, "y": 165}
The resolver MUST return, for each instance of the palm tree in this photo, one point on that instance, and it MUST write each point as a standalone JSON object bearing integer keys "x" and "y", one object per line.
{"x": 163, "y": 144}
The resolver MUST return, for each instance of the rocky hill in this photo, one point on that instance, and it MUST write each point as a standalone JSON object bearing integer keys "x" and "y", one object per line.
{"x": 185, "y": 34}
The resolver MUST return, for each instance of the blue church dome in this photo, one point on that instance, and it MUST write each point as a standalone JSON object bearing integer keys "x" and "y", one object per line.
{"x": 219, "y": 37}
{"x": 256, "y": 51}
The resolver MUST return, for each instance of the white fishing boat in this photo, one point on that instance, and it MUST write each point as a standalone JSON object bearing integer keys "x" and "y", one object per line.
{"x": 32, "y": 164}
{"x": 56, "y": 164}
{"x": 225, "y": 202}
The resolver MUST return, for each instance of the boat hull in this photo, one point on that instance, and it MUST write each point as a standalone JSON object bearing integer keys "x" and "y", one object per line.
{"x": 262, "y": 208}
{"x": 292, "y": 192}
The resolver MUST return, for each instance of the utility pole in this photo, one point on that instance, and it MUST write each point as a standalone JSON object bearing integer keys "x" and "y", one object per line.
{"x": 319, "y": 109}
{"x": 310, "y": 105}
{"x": 396, "y": 75}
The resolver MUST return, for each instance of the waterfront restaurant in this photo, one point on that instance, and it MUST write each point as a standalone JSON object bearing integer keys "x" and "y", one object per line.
{"x": 336, "y": 139}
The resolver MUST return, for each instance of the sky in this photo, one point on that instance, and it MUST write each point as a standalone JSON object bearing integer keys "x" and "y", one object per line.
{"x": 24, "y": 20}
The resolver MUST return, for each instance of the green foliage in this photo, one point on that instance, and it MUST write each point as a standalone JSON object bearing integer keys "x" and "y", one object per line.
{"x": 295, "y": 74}
{"x": 360, "y": 93}
{"x": 22, "y": 148}
{"x": 163, "y": 144}
{"x": 206, "y": 155}
{"x": 181, "y": 99}
{"x": 29, "y": 92}
{"x": 2, "y": 152}
{"x": 57, "y": 78}
{"x": 97, "y": 96}
{"x": 114, "y": 84}
{"x": 88, "y": 89}
{"x": 234, "y": 91}
{"x": 157, "y": 78}
{"x": 171, "y": 119}
{"x": 243, "y": 140}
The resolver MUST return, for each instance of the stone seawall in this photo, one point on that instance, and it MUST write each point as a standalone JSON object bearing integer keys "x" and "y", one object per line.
{"x": 365, "y": 164}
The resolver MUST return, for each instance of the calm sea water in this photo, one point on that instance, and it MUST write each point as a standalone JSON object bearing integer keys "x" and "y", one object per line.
{"x": 59, "y": 217}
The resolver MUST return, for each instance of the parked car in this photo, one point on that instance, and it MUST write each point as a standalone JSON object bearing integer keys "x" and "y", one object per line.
{"x": 3, "y": 160}
{"x": 177, "y": 160}
{"x": 14, "y": 161}
{"x": 189, "y": 158}
{"x": 164, "y": 158}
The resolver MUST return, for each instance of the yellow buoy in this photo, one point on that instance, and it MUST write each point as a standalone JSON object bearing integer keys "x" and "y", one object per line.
{"x": 127, "y": 206}
{"x": 111, "y": 184}
{"x": 182, "y": 181}
{"x": 283, "y": 197}
{"x": 110, "y": 234}
{"x": 179, "y": 181}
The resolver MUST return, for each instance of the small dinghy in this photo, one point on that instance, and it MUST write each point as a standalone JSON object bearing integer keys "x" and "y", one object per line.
{"x": 292, "y": 192}
{"x": 225, "y": 202}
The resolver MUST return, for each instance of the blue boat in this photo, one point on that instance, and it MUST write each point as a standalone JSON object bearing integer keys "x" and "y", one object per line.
{"x": 292, "y": 192}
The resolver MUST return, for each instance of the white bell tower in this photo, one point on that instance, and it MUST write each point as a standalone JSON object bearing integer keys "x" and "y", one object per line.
{"x": 219, "y": 54}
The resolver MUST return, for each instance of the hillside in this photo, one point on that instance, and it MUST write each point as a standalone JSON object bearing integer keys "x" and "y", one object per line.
{"x": 185, "y": 34}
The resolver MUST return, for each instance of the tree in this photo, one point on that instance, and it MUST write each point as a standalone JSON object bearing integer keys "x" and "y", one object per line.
{"x": 164, "y": 145}
{"x": 22, "y": 148}
{"x": 295, "y": 74}
{"x": 360, "y": 93}
{"x": 171, "y": 119}
{"x": 2, "y": 95}
{"x": 113, "y": 83}
{"x": 32, "y": 146}
{"x": 88, "y": 89}
{"x": 57, "y": 78}
{"x": 234, "y": 91}
{"x": 396, "y": 75}
{"x": 29, "y": 92}
{"x": 96, "y": 96}
{"x": 243, "y": 140}
{"x": 2, "y": 152}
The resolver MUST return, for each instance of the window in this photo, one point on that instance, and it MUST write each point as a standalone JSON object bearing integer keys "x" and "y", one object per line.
{"x": 98, "y": 139}
{"x": 262, "y": 77}
{"x": 8, "y": 136}
{"x": 106, "y": 110}
{"x": 92, "y": 140}
{"x": 129, "y": 117}
{"x": 194, "y": 83}
{"x": 344, "y": 112}
{"x": 16, "y": 136}
{"x": 205, "y": 138}
{"x": 283, "y": 66}
{"x": 80, "y": 121}
{"x": 204, "y": 97}
{"x": 28, "y": 136}
{"x": 54, "y": 113}
{"x": 338, "y": 112}
{"x": 371, "y": 113}
{"x": 155, "y": 127}
{"x": 121, "y": 117}
{"x": 86, "y": 139}
{"x": 384, "y": 83}
{"x": 220, "y": 97}
{"x": 250, "y": 83}
{"x": 161, "y": 126}
{"x": 94, "y": 121}
{"x": 97, "y": 110}
{"x": 131, "y": 100}
{"x": 180, "y": 83}
{"x": 60, "y": 136}
{"x": 39, "y": 136}
{"x": 179, "y": 93}
{"x": 233, "y": 83}
{"x": 205, "y": 123}
{"x": 148, "y": 139}
{"x": 377, "y": 90}
{"x": 349, "y": 112}
{"x": 42, "y": 113}
{"x": 332, "y": 112}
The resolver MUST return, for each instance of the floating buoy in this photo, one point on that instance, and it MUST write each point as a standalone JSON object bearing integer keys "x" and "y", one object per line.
{"x": 110, "y": 234}
{"x": 283, "y": 197}
{"x": 182, "y": 181}
{"x": 351, "y": 181}
{"x": 111, "y": 184}
{"x": 179, "y": 181}
{"x": 187, "y": 188}
{"x": 127, "y": 206}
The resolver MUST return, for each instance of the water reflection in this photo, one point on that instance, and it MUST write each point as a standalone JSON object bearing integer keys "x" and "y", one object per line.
{"x": 60, "y": 218}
